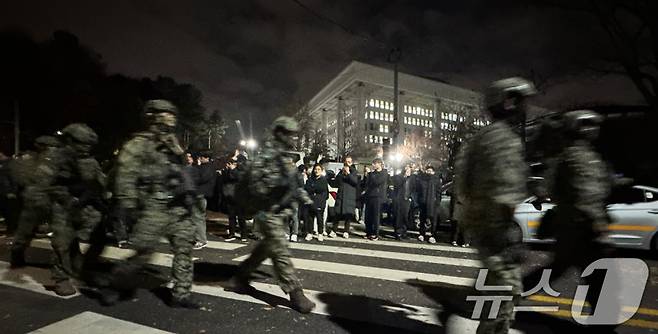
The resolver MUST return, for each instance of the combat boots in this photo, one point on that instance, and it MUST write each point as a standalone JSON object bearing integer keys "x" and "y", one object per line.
{"x": 64, "y": 288}
{"x": 300, "y": 303}
{"x": 239, "y": 285}
{"x": 185, "y": 302}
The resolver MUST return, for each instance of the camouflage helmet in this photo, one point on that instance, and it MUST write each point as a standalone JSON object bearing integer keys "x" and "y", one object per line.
{"x": 285, "y": 123}
{"x": 159, "y": 106}
{"x": 582, "y": 123}
{"x": 81, "y": 133}
{"x": 47, "y": 141}
{"x": 500, "y": 90}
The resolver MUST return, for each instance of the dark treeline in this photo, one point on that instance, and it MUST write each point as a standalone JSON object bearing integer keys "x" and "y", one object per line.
{"x": 60, "y": 80}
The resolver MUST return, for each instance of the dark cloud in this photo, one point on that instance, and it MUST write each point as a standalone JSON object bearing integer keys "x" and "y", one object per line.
{"x": 258, "y": 56}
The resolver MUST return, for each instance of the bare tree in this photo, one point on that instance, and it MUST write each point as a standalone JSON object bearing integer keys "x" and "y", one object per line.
{"x": 632, "y": 30}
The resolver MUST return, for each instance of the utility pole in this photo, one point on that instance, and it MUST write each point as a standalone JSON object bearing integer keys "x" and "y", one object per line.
{"x": 17, "y": 128}
{"x": 394, "y": 57}
{"x": 251, "y": 127}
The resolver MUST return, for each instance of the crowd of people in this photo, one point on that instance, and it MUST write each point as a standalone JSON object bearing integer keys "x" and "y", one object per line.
{"x": 155, "y": 190}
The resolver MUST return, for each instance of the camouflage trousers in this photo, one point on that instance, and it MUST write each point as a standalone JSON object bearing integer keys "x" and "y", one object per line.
{"x": 497, "y": 254}
{"x": 154, "y": 221}
{"x": 273, "y": 245}
{"x": 70, "y": 225}
{"x": 36, "y": 210}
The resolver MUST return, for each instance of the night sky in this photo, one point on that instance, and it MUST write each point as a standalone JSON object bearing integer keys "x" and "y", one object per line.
{"x": 261, "y": 56}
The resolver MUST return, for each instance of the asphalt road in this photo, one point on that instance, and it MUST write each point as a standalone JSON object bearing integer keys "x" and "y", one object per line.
{"x": 360, "y": 286}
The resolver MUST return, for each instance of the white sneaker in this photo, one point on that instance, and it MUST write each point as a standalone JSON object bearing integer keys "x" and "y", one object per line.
{"x": 346, "y": 235}
{"x": 432, "y": 240}
{"x": 324, "y": 233}
{"x": 466, "y": 245}
{"x": 454, "y": 243}
{"x": 332, "y": 234}
{"x": 293, "y": 238}
{"x": 199, "y": 245}
{"x": 309, "y": 237}
{"x": 287, "y": 236}
{"x": 320, "y": 237}
{"x": 421, "y": 238}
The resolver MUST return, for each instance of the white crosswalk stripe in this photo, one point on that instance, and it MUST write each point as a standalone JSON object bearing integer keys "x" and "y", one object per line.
{"x": 386, "y": 250}
{"x": 94, "y": 323}
{"x": 357, "y": 238}
{"x": 388, "y": 255}
{"x": 29, "y": 278}
{"x": 114, "y": 253}
{"x": 371, "y": 272}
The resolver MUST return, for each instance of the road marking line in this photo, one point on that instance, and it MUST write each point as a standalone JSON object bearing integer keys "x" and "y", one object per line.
{"x": 567, "y": 301}
{"x": 380, "y": 316}
{"x": 114, "y": 253}
{"x": 352, "y": 310}
{"x": 94, "y": 323}
{"x": 372, "y": 272}
{"x": 223, "y": 245}
{"x": 388, "y": 255}
{"x": 359, "y": 240}
{"x": 631, "y": 323}
{"x": 29, "y": 278}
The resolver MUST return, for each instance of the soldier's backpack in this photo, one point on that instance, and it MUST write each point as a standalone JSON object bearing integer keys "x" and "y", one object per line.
{"x": 253, "y": 191}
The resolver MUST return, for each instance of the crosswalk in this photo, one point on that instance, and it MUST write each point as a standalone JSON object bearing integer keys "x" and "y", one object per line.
{"x": 387, "y": 264}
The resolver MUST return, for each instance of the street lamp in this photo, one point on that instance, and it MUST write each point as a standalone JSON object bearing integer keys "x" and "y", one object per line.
{"x": 397, "y": 157}
{"x": 251, "y": 144}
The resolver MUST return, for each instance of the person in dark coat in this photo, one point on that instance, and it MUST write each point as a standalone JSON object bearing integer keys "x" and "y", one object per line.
{"x": 375, "y": 195}
{"x": 428, "y": 193}
{"x": 207, "y": 176}
{"x": 230, "y": 178}
{"x": 347, "y": 182}
{"x": 298, "y": 209}
{"x": 318, "y": 189}
{"x": 404, "y": 186}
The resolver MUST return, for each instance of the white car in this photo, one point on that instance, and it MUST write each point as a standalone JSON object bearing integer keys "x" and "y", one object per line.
{"x": 634, "y": 215}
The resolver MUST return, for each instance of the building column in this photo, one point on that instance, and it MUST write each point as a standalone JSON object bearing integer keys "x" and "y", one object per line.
{"x": 340, "y": 128}
{"x": 325, "y": 126}
{"x": 359, "y": 116}
{"x": 435, "y": 118}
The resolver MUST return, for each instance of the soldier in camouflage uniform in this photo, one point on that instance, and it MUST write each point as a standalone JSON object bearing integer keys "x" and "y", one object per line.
{"x": 152, "y": 188}
{"x": 579, "y": 186}
{"x": 278, "y": 177}
{"x": 491, "y": 179}
{"x": 75, "y": 185}
{"x": 36, "y": 206}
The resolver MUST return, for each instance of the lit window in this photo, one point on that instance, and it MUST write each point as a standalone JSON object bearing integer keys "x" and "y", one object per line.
{"x": 372, "y": 102}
